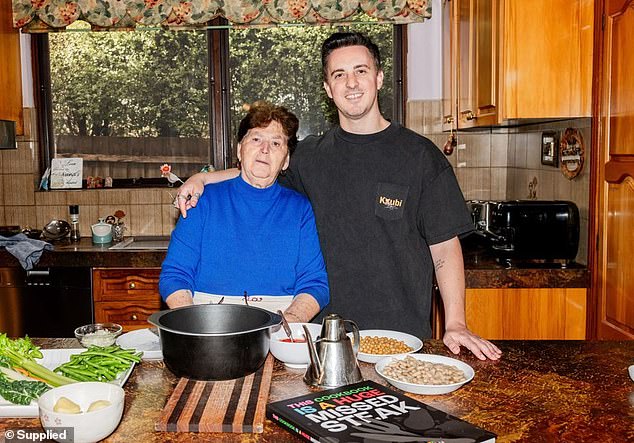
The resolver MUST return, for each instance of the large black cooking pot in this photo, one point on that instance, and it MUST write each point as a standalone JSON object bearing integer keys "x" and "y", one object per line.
{"x": 214, "y": 342}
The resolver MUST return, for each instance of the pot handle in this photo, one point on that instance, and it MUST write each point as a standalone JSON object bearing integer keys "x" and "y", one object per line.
{"x": 154, "y": 318}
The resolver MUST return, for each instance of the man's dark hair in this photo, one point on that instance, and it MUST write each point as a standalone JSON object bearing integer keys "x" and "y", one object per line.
{"x": 343, "y": 39}
{"x": 262, "y": 113}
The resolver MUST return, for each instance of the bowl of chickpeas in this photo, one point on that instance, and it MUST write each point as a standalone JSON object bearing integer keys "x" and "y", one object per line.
{"x": 378, "y": 343}
{"x": 425, "y": 374}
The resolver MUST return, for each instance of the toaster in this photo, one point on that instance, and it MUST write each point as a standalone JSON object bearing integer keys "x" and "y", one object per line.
{"x": 532, "y": 229}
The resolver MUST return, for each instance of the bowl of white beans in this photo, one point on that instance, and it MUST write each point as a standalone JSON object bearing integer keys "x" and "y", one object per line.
{"x": 426, "y": 374}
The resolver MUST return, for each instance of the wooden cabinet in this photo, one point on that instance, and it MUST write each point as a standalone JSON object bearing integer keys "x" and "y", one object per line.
{"x": 527, "y": 313}
{"x": 519, "y": 60}
{"x": 127, "y": 296}
{"x": 477, "y": 62}
{"x": 10, "y": 70}
{"x": 547, "y": 58}
{"x": 449, "y": 41}
{"x": 612, "y": 193}
{"x": 520, "y": 313}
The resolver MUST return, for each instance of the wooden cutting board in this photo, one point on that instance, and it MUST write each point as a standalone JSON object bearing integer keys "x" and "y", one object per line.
{"x": 219, "y": 406}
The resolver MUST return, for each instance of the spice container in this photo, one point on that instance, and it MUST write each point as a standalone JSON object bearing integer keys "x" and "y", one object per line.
{"x": 74, "y": 222}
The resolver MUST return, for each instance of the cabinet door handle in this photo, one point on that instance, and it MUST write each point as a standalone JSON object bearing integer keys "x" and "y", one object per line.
{"x": 134, "y": 317}
{"x": 132, "y": 285}
{"x": 41, "y": 273}
{"x": 449, "y": 120}
{"x": 469, "y": 115}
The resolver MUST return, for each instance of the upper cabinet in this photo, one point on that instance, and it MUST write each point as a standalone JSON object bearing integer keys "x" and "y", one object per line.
{"x": 514, "y": 59}
{"x": 477, "y": 35}
{"x": 10, "y": 70}
{"x": 449, "y": 48}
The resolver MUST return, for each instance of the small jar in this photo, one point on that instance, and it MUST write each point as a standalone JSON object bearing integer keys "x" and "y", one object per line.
{"x": 117, "y": 232}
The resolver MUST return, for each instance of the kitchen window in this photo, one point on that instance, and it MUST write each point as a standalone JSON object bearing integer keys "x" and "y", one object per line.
{"x": 127, "y": 102}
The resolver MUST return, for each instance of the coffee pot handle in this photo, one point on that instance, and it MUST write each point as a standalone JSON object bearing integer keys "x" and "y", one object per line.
{"x": 355, "y": 335}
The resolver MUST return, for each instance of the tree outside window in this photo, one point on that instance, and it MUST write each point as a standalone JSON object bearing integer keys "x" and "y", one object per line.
{"x": 128, "y": 102}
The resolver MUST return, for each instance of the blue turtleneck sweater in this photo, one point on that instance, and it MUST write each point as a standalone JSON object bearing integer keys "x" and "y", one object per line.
{"x": 240, "y": 238}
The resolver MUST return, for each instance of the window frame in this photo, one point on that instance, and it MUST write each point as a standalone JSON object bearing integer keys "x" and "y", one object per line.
{"x": 219, "y": 98}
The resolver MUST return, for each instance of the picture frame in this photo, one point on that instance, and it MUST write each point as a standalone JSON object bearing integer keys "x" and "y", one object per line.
{"x": 550, "y": 148}
{"x": 572, "y": 153}
{"x": 66, "y": 173}
{"x": 7, "y": 135}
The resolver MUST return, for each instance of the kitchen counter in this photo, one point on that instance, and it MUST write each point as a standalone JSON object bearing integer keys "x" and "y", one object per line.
{"x": 547, "y": 391}
{"x": 482, "y": 270}
{"x": 87, "y": 254}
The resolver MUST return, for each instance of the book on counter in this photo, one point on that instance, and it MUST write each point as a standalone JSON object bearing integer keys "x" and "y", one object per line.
{"x": 370, "y": 412}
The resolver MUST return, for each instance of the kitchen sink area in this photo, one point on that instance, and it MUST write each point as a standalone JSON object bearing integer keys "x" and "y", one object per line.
{"x": 143, "y": 243}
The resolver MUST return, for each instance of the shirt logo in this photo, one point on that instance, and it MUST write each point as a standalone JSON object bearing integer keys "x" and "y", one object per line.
{"x": 390, "y": 203}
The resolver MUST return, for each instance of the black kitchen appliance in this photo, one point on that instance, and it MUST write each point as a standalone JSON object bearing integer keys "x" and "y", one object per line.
{"x": 45, "y": 302}
{"x": 521, "y": 230}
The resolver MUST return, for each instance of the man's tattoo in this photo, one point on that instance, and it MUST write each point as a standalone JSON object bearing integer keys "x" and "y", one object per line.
{"x": 439, "y": 264}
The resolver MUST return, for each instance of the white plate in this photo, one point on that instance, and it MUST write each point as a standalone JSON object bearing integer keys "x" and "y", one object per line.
{"x": 51, "y": 358}
{"x": 142, "y": 340}
{"x": 631, "y": 371}
{"x": 413, "y": 342}
{"x": 426, "y": 389}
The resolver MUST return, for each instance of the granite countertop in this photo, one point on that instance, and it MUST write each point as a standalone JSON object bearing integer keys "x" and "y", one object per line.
{"x": 87, "y": 254}
{"x": 539, "y": 391}
{"x": 482, "y": 270}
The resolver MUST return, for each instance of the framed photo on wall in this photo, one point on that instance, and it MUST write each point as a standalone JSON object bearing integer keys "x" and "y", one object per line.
{"x": 7, "y": 135}
{"x": 550, "y": 148}
{"x": 66, "y": 173}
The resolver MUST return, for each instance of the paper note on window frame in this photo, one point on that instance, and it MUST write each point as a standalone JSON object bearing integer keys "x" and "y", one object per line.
{"x": 66, "y": 173}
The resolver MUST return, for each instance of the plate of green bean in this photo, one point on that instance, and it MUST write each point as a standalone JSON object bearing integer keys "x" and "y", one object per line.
{"x": 109, "y": 364}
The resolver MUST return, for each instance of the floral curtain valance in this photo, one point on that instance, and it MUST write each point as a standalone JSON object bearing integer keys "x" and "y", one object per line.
{"x": 53, "y": 15}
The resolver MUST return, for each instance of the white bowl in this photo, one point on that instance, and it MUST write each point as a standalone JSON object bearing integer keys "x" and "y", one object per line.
{"x": 426, "y": 389}
{"x": 87, "y": 426}
{"x": 293, "y": 355}
{"x": 413, "y": 342}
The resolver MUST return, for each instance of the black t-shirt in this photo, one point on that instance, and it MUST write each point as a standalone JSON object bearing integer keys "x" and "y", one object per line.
{"x": 380, "y": 200}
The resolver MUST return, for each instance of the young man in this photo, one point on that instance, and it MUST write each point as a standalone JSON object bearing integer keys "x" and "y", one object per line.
{"x": 387, "y": 205}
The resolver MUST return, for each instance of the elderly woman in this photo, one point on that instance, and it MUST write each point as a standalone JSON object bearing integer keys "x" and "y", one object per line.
{"x": 252, "y": 241}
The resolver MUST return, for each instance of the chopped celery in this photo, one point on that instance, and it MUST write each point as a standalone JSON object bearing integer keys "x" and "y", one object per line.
{"x": 21, "y": 353}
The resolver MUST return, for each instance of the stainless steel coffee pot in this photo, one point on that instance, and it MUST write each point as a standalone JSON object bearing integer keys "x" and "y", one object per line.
{"x": 333, "y": 356}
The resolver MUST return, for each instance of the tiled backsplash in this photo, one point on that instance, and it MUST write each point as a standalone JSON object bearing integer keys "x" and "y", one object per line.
{"x": 148, "y": 211}
{"x": 494, "y": 165}
{"x": 498, "y": 164}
